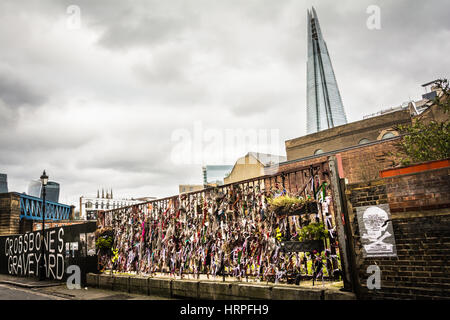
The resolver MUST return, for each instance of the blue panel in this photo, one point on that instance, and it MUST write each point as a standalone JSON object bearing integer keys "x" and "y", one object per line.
{"x": 31, "y": 208}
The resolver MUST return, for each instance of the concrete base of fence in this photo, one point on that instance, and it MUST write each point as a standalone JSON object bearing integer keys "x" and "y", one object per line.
{"x": 211, "y": 290}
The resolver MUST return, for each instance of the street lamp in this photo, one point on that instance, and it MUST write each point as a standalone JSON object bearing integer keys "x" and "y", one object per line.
{"x": 44, "y": 181}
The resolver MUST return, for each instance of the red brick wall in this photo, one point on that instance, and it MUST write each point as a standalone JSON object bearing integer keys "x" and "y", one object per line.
{"x": 38, "y": 225}
{"x": 420, "y": 213}
{"x": 420, "y": 191}
{"x": 362, "y": 163}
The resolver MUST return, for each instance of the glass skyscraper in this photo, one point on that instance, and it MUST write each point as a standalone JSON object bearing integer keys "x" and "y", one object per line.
{"x": 51, "y": 191}
{"x": 3, "y": 183}
{"x": 324, "y": 104}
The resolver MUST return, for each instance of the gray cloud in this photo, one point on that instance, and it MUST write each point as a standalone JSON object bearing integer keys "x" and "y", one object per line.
{"x": 15, "y": 92}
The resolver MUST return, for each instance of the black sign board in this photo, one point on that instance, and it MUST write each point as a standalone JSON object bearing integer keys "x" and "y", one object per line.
{"x": 20, "y": 255}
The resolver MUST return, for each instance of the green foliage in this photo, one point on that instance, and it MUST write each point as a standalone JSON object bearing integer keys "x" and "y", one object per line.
{"x": 105, "y": 240}
{"x": 427, "y": 141}
{"x": 104, "y": 243}
{"x": 313, "y": 231}
{"x": 284, "y": 201}
{"x": 284, "y": 204}
{"x": 424, "y": 142}
{"x": 443, "y": 102}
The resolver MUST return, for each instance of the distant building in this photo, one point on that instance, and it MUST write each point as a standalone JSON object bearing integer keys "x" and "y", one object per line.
{"x": 185, "y": 188}
{"x": 324, "y": 105}
{"x": 215, "y": 174}
{"x": 251, "y": 166}
{"x": 3, "y": 183}
{"x": 374, "y": 127}
{"x": 145, "y": 199}
{"x": 89, "y": 206}
{"x": 51, "y": 190}
{"x": 34, "y": 188}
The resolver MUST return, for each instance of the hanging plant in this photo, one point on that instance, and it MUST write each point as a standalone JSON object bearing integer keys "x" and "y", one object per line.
{"x": 307, "y": 206}
{"x": 313, "y": 231}
{"x": 286, "y": 205}
{"x": 105, "y": 240}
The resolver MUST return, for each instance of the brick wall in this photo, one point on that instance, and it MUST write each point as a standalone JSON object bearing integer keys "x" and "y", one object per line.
{"x": 364, "y": 164}
{"x": 420, "y": 212}
{"x": 9, "y": 213}
{"x": 421, "y": 191}
{"x": 344, "y": 136}
{"x": 37, "y": 225}
{"x": 361, "y": 163}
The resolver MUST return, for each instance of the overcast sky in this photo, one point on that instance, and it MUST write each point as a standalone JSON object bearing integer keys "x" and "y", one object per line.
{"x": 103, "y": 104}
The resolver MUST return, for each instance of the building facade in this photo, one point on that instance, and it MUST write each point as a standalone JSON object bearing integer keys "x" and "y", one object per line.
{"x": 90, "y": 206}
{"x": 3, "y": 183}
{"x": 324, "y": 104}
{"x": 51, "y": 190}
{"x": 186, "y": 188}
{"x": 375, "y": 127}
{"x": 251, "y": 166}
{"x": 215, "y": 174}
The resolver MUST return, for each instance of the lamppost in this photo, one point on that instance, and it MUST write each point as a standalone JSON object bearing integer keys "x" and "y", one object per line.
{"x": 44, "y": 180}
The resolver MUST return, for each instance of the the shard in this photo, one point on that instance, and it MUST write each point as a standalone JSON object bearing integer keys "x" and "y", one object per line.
{"x": 324, "y": 104}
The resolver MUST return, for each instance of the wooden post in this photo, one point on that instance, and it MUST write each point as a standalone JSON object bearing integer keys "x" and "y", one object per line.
{"x": 340, "y": 221}
{"x": 356, "y": 285}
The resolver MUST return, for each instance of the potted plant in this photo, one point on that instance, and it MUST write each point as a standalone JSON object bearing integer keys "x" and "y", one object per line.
{"x": 286, "y": 205}
{"x": 104, "y": 240}
{"x": 306, "y": 206}
{"x": 310, "y": 238}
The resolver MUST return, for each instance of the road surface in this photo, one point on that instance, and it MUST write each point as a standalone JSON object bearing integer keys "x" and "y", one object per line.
{"x": 61, "y": 292}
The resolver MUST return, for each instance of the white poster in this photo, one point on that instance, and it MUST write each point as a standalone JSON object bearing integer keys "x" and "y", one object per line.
{"x": 376, "y": 231}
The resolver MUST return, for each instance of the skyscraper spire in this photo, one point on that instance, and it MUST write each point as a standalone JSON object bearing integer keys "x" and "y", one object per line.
{"x": 324, "y": 104}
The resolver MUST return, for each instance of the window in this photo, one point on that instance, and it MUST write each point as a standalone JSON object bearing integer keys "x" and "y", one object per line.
{"x": 96, "y": 205}
{"x": 388, "y": 135}
{"x": 318, "y": 151}
{"x": 364, "y": 141}
{"x": 88, "y": 205}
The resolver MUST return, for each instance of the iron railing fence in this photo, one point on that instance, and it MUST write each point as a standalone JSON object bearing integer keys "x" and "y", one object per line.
{"x": 229, "y": 225}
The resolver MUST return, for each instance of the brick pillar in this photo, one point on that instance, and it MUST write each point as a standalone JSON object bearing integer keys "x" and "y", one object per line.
{"x": 9, "y": 213}
{"x": 72, "y": 213}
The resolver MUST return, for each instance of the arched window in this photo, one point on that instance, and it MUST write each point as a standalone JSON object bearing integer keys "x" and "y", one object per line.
{"x": 318, "y": 151}
{"x": 96, "y": 205}
{"x": 107, "y": 205}
{"x": 364, "y": 141}
{"x": 88, "y": 205}
{"x": 388, "y": 135}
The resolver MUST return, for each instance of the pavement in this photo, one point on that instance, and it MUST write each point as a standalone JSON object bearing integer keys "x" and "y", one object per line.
{"x": 15, "y": 288}
{"x": 308, "y": 284}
